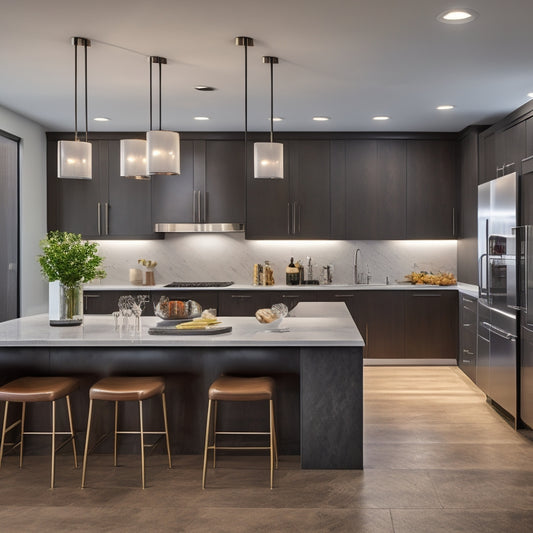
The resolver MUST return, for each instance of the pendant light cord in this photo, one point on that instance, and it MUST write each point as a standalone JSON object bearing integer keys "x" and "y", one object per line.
{"x": 86, "y": 102}
{"x": 75, "y": 89}
{"x": 271, "y": 101}
{"x": 151, "y": 96}
{"x": 160, "y": 96}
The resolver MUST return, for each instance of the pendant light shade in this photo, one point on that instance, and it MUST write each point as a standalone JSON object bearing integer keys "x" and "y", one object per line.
{"x": 163, "y": 151}
{"x": 133, "y": 159}
{"x": 268, "y": 157}
{"x": 74, "y": 158}
{"x": 163, "y": 147}
{"x": 268, "y": 160}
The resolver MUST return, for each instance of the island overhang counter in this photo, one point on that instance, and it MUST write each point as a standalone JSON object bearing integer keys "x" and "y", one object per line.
{"x": 317, "y": 365}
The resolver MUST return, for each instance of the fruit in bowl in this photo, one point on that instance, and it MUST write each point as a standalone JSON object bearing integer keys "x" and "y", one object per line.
{"x": 273, "y": 316}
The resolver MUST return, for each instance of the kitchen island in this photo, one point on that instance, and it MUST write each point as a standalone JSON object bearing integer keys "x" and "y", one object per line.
{"x": 317, "y": 366}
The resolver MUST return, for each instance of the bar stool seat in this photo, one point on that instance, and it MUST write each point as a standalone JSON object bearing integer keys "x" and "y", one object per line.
{"x": 240, "y": 389}
{"x": 121, "y": 389}
{"x": 39, "y": 389}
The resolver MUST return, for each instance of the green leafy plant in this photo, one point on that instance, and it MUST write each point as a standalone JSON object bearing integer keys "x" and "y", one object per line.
{"x": 69, "y": 259}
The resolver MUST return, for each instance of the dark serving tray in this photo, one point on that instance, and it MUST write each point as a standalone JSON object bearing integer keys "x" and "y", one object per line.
{"x": 173, "y": 331}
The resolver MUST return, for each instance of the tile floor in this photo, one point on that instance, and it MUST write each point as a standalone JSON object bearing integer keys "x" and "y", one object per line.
{"x": 437, "y": 459}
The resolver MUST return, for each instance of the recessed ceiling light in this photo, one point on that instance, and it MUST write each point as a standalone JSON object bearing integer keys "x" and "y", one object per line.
{"x": 276, "y": 119}
{"x": 204, "y": 88}
{"x": 445, "y": 107}
{"x": 530, "y": 95}
{"x": 381, "y": 117}
{"x": 101, "y": 119}
{"x": 321, "y": 119}
{"x": 457, "y": 16}
{"x": 201, "y": 118}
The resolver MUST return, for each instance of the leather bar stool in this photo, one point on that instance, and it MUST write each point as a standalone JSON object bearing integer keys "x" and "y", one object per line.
{"x": 240, "y": 389}
{"x": 39, "y": 389}
{"x": 122, "y": 389}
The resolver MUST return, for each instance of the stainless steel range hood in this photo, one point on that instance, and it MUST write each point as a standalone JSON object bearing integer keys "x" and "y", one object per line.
{"x": 220, "y": 227}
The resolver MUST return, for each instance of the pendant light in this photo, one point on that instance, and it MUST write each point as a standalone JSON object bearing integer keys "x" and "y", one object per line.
{"x": 133, "y": 159}
{"x": 163, "y": 147}
{"x": 74, "y": 158}
{"x": 246, "y": 42}
{"x": 268, "y": 157}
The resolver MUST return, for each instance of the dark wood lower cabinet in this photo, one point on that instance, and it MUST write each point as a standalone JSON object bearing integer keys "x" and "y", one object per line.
{"x": 431, "y": 324}
{"x": 395, "y": 324}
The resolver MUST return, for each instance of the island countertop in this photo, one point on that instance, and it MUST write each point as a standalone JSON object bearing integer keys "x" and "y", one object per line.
{"x": 334, "y": 328}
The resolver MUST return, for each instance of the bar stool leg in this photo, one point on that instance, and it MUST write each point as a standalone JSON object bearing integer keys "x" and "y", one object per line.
{"x": 271, "y": 443}
{"x": 115, "y": 439}
{"x": 275, "y": 442}
{"x": 3, "y": 433}
{"x": 67, "y": 397}
{"x": 22, "y": 421}
{"x": 164, "y": 402}
{"x": 206, "y": 445}
{"x": 142, "y": 439}
{"x": 86, "y": 444}
{"x": 53, "y": 471}
{"x": 215, "y": 435}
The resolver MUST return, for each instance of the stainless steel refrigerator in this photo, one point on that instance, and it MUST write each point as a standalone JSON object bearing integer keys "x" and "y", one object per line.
{"x": 498, "y": 302}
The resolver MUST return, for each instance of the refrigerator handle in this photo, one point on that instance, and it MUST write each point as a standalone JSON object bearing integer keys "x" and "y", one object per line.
{"x": 522, "y": 268}
{"x": 487, "y": 270}
{"x": 482, "y": 289}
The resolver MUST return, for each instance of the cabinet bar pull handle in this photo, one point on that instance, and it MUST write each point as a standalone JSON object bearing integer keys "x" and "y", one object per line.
{"x": 240, "y": 296}
{"x": 466, "y": 361}
{"x": 199, "y": 206}
{"x": 205, "y": 207}
{"x": 453, "y": 223}
{"x": 294, "y": 218}
{"x": 467, "y": 300}
{"x": 289, "y": 296}
{"x": 106, "y": 218}
{"x": 343, "y": 295}
{"x": 194, "y": 206}
{"x": 288, "y": 218}
{"x": 466, "y": 325}
{"x": 99, "y": 219}
{"x": 299, "y": 218}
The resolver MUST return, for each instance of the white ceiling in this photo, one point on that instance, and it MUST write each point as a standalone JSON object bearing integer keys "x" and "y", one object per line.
{"x": 346, "y": 59}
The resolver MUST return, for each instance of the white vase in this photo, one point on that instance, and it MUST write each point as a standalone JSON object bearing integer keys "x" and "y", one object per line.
{"x": 65, "y": 304}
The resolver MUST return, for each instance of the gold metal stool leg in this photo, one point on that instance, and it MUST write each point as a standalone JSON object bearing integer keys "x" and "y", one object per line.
{"x": 86, "y": 444}
{"x": 115, "y": 438}
{"x": 164, "y": 402}
{"x": 271, "y": 444}
{"x": 71, "y": 425}
{"x": 206, "y": 444}
{"x": 22, "y": 420}
{"x": 142, "y": 439}
{"x": 215, "y": 435}
{"x": 3, "y": 433}
{"x": 53, "y": 469}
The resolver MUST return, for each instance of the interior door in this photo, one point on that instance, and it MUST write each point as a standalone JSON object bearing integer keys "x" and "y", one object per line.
{"x": 9, "y": 224}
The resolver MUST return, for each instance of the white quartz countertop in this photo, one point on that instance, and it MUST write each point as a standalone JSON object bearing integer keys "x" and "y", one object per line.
{"x": 334, "y": 328}
{"x": 472, "y": 290}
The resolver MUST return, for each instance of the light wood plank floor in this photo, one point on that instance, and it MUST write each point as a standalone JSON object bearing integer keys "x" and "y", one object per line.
{"x": 437, "y": 459}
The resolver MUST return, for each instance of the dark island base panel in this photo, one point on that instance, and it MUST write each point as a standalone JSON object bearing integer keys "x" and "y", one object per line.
{"x": 319, "y": 419}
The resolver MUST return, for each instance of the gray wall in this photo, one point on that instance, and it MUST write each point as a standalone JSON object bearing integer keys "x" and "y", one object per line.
{"x": 33, "y": 289}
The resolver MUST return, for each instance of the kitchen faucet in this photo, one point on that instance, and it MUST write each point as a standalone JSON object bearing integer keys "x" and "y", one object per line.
{"x": 355, "y": 273}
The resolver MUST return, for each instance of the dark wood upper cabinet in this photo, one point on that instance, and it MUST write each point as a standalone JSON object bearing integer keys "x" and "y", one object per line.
{"x": 107, "y": 206}
{"x": 297, "y": 207}
{"x": 431, "y": 189}
{"x": 467, "y": 267}
{"x": 487, "y": 157}
{"x": 225, "y": 184}
{"x": 173, "y": 196}
{"x": 375, "y": 189}
{"x": 529, "y": 137}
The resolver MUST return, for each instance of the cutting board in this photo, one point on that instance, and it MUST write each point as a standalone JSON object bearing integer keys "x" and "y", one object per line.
{"x": 215, "y": 330}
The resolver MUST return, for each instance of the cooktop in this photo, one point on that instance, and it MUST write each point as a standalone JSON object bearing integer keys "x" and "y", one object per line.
{"x": 200, "y": 284}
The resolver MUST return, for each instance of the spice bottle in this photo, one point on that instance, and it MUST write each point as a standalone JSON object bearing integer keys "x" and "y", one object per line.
{"x": 292, "y": 274}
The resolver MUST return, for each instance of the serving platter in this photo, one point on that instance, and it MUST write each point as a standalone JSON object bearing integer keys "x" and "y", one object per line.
{"x": 213, "y": 330}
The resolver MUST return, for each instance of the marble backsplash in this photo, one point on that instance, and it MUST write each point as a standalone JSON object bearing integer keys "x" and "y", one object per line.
{"x": 229, "y": 257}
